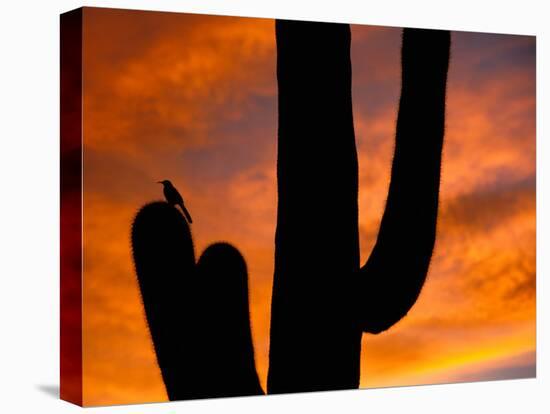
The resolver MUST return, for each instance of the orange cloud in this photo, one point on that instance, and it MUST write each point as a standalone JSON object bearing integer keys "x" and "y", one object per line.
{"x": 193, "y": 98}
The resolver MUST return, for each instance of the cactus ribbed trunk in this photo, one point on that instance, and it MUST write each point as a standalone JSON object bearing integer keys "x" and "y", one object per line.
{"x": 315, "y": 344}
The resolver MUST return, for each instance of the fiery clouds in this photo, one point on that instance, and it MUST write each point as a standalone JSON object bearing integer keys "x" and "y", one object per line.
{"x": 475, "y": 318}
{"x": 193, "y": 98}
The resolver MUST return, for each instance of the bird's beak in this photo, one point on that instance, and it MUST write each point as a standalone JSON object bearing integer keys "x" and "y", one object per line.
{"x": 159, "y": 182}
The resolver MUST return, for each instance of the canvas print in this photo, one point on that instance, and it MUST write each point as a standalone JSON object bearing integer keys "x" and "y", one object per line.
{"x": 258, "y": 206}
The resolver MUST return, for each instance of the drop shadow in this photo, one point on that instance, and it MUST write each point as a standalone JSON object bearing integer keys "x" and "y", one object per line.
{"x": 49, "y": 389}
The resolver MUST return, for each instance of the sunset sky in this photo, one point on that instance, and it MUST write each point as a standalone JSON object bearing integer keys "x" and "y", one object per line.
{"x": 193, "y": 99}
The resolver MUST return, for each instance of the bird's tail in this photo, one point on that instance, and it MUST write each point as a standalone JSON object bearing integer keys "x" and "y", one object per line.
{"x": 186, "y": 213}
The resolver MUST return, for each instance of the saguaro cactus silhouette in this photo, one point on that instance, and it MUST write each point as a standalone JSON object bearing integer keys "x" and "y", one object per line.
{"x": 197, "y": 314}
{"x": 322, "y": 300}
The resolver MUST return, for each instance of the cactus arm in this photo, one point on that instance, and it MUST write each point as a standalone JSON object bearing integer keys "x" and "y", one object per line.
{"x": 225, "y": 318}
{"x": 164, "y": 260}
{"x": 395, "y": 272}
{"x": 198, "y": 314}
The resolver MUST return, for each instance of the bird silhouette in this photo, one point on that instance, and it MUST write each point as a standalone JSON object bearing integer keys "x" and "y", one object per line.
{"x": 173, "y": 197}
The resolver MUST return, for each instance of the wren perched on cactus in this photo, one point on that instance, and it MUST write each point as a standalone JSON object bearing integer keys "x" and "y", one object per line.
{"x": 174, "y": 198}
{"x": 322, "y": 300}
{"x": 197, "y": 313}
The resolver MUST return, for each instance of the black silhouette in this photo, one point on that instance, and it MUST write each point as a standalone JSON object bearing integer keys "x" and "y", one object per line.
{"x": 174, "y": 198}
{"x": 226, "y": 324}
{"x": 322, "y": 301}
{"x": 197, "y": 313}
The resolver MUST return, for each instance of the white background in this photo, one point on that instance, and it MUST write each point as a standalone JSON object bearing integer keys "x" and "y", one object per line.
{"x": 29, "y": 205}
